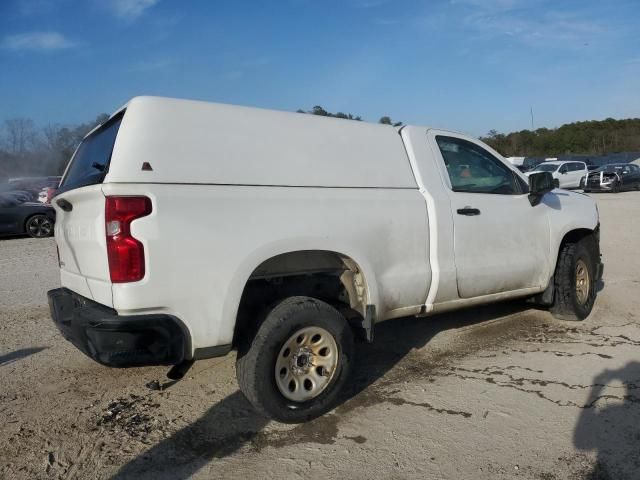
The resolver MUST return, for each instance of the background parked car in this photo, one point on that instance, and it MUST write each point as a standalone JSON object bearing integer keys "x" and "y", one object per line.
{"x": 32, "y": 184}
{"x": 46, "y": 194}
{"x": 30, "y": 218}
{"x": 20, "y": 214}
{"x": 565, "y": 174}
{"x": 615, "y": 177}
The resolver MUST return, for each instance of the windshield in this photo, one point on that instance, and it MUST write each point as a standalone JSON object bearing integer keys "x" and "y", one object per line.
{"x": 547, "y": 167}
{"x": 91, "y": 161}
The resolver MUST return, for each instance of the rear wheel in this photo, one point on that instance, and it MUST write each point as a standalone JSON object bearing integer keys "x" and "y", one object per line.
{"x": 39, "y": 226}
{"x": 298, "y": 361}
{"x": 575, "y": 281}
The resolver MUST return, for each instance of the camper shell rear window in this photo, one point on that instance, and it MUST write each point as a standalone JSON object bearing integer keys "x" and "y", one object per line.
{"x": 90, "y": 164}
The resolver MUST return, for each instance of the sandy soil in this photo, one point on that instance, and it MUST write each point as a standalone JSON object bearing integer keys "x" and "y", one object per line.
{"x": 497, "y": 392}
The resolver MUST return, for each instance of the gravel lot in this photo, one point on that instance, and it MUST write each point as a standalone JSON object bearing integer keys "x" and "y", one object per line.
{"x": 497, "y": 392}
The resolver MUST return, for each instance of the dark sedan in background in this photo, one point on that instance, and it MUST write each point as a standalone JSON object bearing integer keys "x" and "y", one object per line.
{"x": 616, "y": 177}
{"x": 22, "y": 214}
{"x": 30, "y": 218}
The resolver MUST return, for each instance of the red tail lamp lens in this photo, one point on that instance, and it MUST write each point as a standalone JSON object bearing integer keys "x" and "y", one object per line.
{"x": 125, "y": 253}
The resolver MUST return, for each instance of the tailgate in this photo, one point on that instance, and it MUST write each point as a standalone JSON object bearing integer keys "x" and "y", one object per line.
{"x": 80, "y": 235}
{"x": 80, "y": 224}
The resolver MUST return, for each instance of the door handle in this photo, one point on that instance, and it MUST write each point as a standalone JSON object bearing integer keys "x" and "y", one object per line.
{"x": 468, "y": 211}
{"x": 64, "y": 205}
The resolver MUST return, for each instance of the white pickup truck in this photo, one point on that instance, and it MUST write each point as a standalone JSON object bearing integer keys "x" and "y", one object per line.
{"x": 187, "y": 229}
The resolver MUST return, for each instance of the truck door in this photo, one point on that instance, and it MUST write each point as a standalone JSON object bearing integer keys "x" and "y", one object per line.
{"x": 501, "y": 242}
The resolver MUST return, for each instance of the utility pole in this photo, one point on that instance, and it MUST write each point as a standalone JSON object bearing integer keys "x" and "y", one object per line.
{"x": 531, "y": 111}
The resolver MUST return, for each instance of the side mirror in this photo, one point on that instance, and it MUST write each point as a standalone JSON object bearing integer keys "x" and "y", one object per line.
{"x": 539, "y": 184}
{"x": 563, "y": 169}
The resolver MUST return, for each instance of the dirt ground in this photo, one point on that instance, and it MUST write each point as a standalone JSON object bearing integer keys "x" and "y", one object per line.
{"x": 497, "y": 392}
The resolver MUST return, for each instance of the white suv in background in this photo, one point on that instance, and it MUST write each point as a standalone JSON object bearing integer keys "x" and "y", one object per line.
{"x": 565, "y": 174}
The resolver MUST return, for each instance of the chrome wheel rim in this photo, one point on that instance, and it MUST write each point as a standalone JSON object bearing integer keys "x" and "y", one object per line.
{"x": 306, "y": 364}
{"x": 40, "y": 227}
{"x": 583, "y": 282}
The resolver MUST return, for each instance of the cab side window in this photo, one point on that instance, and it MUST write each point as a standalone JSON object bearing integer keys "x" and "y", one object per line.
{"x": 473, "y": 169}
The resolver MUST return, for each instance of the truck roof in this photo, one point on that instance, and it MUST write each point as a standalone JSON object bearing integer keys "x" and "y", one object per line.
{"x": 186, "y": 141}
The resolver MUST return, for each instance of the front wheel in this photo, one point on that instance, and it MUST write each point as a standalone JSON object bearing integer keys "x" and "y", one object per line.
{"x": 298, "y": 361}
{"x": 39, "y": 226}
{"x": 556, "y": 183}
{"x": 575, "y": 282}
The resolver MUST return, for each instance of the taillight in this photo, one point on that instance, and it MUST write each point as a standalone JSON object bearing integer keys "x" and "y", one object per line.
{"x": 125, "y": 253}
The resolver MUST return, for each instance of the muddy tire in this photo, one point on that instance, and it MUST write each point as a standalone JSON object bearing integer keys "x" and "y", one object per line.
{"x": 575, "y": 281}
{"x": 298, "y": 361}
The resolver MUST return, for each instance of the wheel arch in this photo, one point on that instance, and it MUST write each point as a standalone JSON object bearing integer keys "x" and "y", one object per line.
{"x": 574, "y": 236}
{"x": 305, "y": 268}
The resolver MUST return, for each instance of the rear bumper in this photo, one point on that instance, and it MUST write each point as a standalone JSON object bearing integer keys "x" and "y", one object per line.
{"x": 118, "y": 340}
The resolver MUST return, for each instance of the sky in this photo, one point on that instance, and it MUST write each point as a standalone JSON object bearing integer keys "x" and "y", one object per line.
{"x": 468, "y": 65}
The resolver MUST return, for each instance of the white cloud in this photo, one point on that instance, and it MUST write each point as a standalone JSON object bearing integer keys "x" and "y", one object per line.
{"x": 233, "y": 74}
{"x": 35, "y": 7}
{"x": 386, "y": 21}
{"x": 153, "y": 65}
{"x": 255, "y": 62}
{"x": 492, "y": 5}
{"x": 553, "y": 29}
{"x": 131, "y": 9}
{"x": 368, "y": 3}
{"x": 527, "y": 23}
{"x": 37, "y": 41}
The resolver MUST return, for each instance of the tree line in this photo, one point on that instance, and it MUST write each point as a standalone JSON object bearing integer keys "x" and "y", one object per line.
{"x": 593, "y": 137}
{"x": 27, "y": 150}
{"x": 318, "y": 110}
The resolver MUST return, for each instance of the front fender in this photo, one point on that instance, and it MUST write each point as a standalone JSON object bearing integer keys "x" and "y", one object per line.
{"x": 568, "y": 212}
